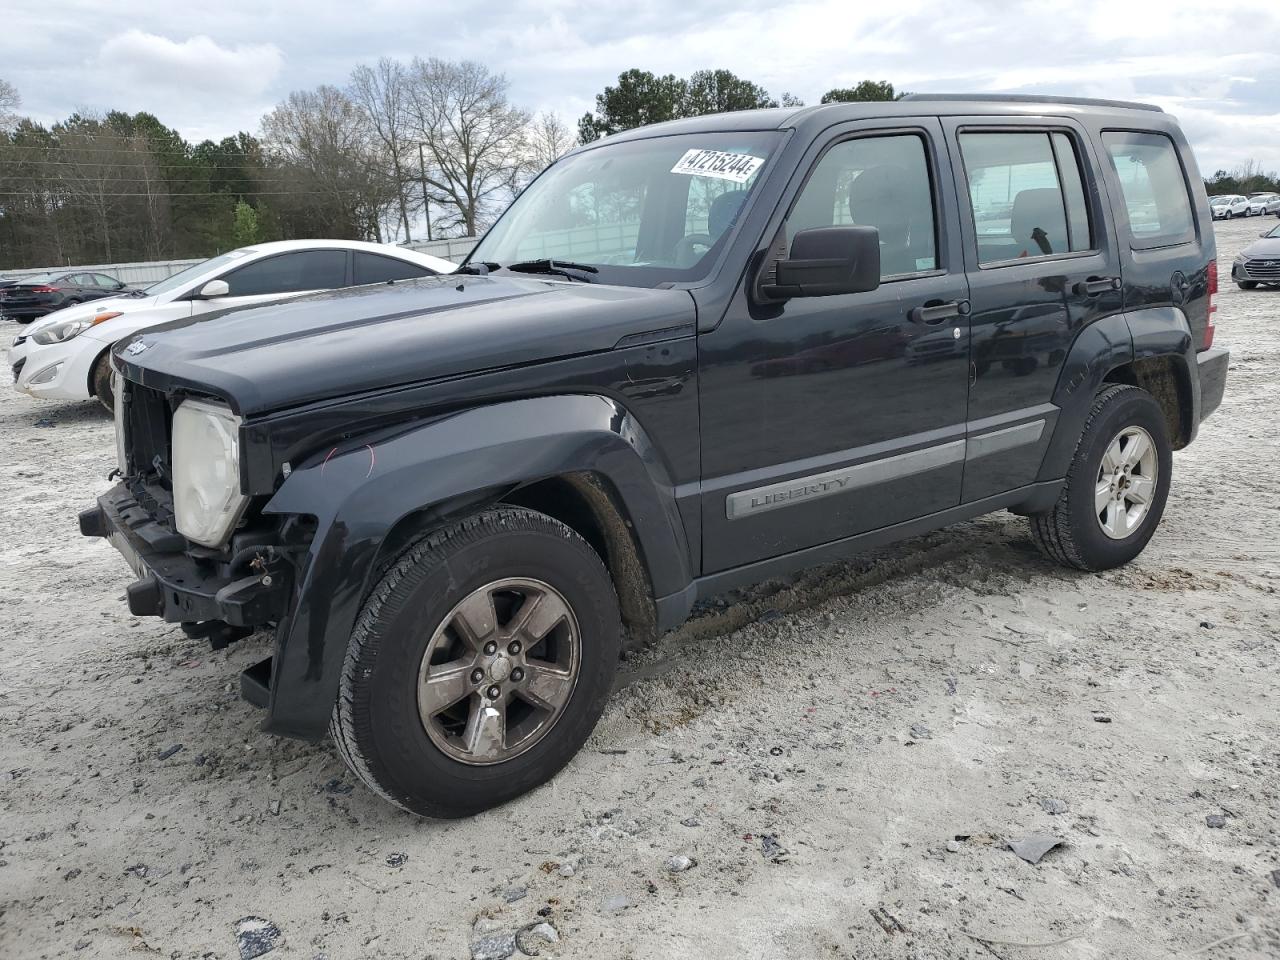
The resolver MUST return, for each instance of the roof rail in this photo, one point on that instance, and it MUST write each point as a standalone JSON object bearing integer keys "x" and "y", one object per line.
{"x": 1032, "y": 98}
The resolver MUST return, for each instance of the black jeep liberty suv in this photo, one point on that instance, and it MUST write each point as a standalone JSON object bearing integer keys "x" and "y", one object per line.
{"x": 687, "y": 358}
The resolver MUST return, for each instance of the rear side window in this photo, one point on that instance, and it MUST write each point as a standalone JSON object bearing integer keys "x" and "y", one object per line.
{"x": 1153, "y": 186}
{"x": 372, "y": 268}
{"x": 1027, "y": 194}
{"x": 290, "y": 273}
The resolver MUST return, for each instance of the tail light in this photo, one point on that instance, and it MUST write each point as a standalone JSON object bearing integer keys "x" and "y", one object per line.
{"x": 1213, "y": 307}
{"x": 43, "y": 289}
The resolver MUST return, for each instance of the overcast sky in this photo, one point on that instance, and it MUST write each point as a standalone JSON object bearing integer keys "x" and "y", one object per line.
{"x": 215, "y": 68}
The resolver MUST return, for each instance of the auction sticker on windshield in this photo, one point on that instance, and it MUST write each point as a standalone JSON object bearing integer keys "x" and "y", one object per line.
{"x": 720, "y": 164}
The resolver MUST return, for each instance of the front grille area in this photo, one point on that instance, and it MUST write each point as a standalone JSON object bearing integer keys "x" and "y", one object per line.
{"x": 1261, "y": 269}
{"x": 17, "y": 368}
{"x": 147, "y": 424}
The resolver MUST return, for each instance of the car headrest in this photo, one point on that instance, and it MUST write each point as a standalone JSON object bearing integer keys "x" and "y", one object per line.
{"x": 724, "y": 210}
{"x": 1038, "y": 222}
{"x": 883, "y": 197}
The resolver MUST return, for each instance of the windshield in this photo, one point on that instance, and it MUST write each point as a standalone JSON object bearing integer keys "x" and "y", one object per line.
{"x": 643, "y": 212}
{"x": 1275, "y": 232}
{"x": 38, "y": 278}
{"x": 183, "y": 277}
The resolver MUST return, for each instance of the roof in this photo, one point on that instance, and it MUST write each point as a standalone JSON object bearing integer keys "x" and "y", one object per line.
{"x": 912, "y": 105}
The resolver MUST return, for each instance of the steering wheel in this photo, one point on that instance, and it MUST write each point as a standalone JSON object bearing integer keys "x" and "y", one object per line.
{"x": 684, "y": 253}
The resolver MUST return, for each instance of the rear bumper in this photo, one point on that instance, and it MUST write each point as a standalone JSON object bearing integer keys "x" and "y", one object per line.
{"x": 1212, "y": 365}
{"x": 172, "y": 584}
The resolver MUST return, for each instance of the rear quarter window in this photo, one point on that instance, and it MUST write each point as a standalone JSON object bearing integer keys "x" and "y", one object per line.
{"x": 1154, "y": 188}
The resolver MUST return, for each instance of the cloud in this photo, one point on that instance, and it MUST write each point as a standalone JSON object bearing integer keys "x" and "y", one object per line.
{"x": 213, "y": 70}
{"x": 197, "y": 65}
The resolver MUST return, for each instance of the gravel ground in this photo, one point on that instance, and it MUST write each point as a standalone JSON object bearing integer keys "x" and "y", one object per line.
{"x": 830, "y": 768}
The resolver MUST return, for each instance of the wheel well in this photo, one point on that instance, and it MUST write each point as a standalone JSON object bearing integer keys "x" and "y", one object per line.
{"x": 1166, "y": 380}
{"x": 584, "y": 502}
{"x": 93, "y": 367}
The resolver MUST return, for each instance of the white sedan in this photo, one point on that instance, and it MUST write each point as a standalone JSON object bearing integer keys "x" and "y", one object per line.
{"x": 65, "y": 356}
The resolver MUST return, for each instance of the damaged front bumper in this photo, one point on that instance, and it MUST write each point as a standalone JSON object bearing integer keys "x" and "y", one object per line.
{"x": 177, "y": 585}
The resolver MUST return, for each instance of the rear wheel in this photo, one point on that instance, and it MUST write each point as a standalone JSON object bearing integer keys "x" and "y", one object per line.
{"x": 100, "y": 381}
{"x": 479, "y": 664}
{"x": 1116, "y": 489}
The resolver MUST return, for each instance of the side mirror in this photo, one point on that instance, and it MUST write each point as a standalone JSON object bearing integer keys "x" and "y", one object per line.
{"x": 120, "y": 285}
{"x": 826, "y": 261}
{"x": 213, "y": 289}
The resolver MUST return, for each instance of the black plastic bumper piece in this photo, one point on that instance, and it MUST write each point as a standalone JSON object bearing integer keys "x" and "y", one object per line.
{"x": 255, "y": 683}
{"x": 171, "y": 583}
{"x": 1213, "y": 378}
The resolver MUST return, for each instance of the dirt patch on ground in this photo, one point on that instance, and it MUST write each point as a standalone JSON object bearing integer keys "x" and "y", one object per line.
{"x": 829, "y": 768}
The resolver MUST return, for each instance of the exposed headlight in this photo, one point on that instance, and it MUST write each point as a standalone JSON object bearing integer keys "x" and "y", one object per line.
{"x": 207, "y": 502}
{"x": 68, "y": 329}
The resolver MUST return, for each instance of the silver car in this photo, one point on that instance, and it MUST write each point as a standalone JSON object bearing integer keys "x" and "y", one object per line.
{"x": 1262, "y": 204}
{"x": 1259, "y": 262}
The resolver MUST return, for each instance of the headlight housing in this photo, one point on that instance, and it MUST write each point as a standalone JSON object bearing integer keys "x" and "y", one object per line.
{"x": 207, "y": 502}
{"x": 65, "y": 330}
{"x": 69, "y": 329}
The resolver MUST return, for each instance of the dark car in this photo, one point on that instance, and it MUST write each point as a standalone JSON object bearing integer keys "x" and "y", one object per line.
{"x": 688, "y": 358}
{"x": 1258, "y": 264}
{"x": 28, "y": 298}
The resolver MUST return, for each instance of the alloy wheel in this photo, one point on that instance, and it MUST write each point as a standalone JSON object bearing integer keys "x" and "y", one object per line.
{"x": 499, "y": 671}
{"x": 1126, "y": 483}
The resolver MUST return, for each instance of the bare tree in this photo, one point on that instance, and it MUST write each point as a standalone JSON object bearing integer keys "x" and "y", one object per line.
{"x": 382, "y": 92}
{"x": 474, "y": 139}
{"x": 9, "y": 104}
{"x": 549, "y": 139}
{"x": 329, "y": 144}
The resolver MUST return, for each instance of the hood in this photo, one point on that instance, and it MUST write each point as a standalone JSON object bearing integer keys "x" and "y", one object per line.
{"x": 363, "y": 339}
{"x": 1265, "y": 247}
{"x": 91, "y": 309}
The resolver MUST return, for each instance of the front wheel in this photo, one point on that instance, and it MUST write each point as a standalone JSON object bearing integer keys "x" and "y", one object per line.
{"x": 479, "y": 664}
{"x": 1117, "y": 486}
{"x": 100, "y": 382}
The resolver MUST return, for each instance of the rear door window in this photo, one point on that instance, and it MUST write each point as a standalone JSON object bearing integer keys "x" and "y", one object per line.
{"x": 1154, "y": 187}
{"x": 373, "y": 268}
{"x": 290, "y": 273}
{"x": 1027, "y": 195}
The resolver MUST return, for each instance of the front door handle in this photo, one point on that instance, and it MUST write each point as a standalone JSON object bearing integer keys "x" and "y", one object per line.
{"x": 935, "y": 313}
{"x": 1096, "y": 285}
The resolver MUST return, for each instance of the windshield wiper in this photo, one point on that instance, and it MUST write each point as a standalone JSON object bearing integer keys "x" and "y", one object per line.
{"x": 562, "y": 268}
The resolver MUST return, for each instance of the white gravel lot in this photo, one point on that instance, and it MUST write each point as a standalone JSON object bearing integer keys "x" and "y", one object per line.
{"x": 843, "y": 758}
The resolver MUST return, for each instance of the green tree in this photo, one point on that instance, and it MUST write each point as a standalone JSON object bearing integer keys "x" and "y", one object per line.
{"x": 721, "y": 91}
{"x": 867, "y": 90}
{"x": 244, "y": 227}
{"x": 640, "y": 98}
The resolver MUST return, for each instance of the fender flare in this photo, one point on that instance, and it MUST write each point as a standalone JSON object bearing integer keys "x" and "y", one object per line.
{"x": 1101, "y": 348}
{"x": 360, "y": 490}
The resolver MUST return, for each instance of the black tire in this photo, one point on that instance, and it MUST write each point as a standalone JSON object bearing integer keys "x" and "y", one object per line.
{"x": 376, "y": 723}
{"x": 1070, "y": 533}
{"x": 100, "y": 382}
{"x": 1247, "y": 284}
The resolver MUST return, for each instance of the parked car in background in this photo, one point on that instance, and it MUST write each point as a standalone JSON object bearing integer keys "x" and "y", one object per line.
{"x": 1229, "y": 206}
{"x": 1259, "y": 263}
{"x": 64, "y": 356}
{"x": 1262, "y": 204}
{"x": 28, "y": 298}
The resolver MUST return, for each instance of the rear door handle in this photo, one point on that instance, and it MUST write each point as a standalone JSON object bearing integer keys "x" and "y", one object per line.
{"x": 934, "y": 313}
{"x": 1096, "y": 285}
